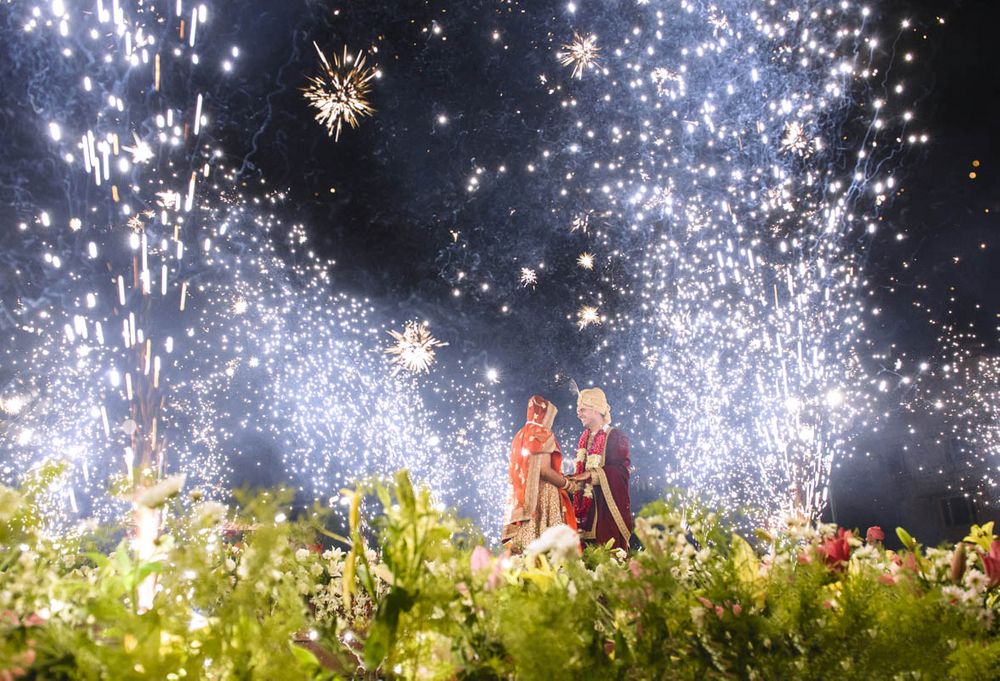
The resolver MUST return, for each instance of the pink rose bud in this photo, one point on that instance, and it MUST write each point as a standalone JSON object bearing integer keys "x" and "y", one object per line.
{"x": 719, "y": 610}
{"x": 737, "y": 609}
{"x": 874, "y": 534}
{"x": 957, "y": 563}
{"x": 888, "y": 580}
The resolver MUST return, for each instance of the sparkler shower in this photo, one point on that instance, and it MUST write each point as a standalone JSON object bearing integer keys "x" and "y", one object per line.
{"x": 668, "y": 199}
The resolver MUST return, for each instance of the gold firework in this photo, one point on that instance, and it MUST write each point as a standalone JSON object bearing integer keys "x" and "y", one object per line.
{"x": 580, "y": 53}
{"x": 586, "y": 261}
{"x": 340, "y": 92}
{"x": 587, "y": 315}
{"x": 413, "y": 350}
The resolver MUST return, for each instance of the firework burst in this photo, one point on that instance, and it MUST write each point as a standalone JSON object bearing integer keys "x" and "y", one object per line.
{"x": 586, "y": 316}
{"x": 340, "y": 93}
{"x": 580, "y": 54}
{"x": 413, "y": 350}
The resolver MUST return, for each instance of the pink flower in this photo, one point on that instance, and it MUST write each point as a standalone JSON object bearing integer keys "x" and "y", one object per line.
{"x": 804, "y": 559}
{"x": 462, "y": 589}
{"x": 837, "y": 550}
{"x": 33, "y": 620}
{"x": 737, "y": 609}
{"x": 719, "y": 610}
{"x": 991, "y": 562}
{"x": 874, "y": 534}
{"x": 635, "y": 568}
{"x": 480, "y": 558}
{"x": 493, "y": 581}
{"x": 888, "y": 580}
{"x": 707, "y": 603}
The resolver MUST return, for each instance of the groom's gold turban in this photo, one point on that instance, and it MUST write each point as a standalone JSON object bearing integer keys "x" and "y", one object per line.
{"x": 595, "y": 399}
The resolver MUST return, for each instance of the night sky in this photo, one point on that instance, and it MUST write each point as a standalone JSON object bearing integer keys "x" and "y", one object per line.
{"x": 430, "y": 211}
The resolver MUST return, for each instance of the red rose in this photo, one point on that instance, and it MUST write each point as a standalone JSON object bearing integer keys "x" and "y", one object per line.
{"x": 837, "y": 550}
{"x": 874, "y": 534}
{"x": 991, "y": 562}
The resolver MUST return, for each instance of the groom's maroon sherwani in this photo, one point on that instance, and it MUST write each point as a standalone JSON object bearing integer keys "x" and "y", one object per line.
{"x": 601, "y": 524}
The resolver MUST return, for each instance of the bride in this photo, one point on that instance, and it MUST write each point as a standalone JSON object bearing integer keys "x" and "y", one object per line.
{"x": 539, "y": 495}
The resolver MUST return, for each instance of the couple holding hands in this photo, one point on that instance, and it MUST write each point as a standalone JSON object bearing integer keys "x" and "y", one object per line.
{"x": 594, "y": 499}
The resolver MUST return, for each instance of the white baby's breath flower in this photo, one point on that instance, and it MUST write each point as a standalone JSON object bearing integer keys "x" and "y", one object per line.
{"x": 953, "y": 594}
{"x": 302, "y": 555}
{"x": 156, "y": 495}
{"x": 976, "y": 581}
{"x": 560, "y": 542}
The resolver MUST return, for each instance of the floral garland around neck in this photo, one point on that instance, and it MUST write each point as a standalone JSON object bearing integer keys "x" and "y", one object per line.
{"x": 589, "y": 457}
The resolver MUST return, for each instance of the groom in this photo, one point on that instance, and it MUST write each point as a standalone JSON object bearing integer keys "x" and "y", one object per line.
{"x": 603, "y": 509}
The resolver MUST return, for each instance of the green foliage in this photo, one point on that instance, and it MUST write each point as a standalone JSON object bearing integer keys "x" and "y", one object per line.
{"x": 411, "y": 593}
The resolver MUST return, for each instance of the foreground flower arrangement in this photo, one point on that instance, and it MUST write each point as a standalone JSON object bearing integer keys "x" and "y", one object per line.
{"x": 414, "y": 594}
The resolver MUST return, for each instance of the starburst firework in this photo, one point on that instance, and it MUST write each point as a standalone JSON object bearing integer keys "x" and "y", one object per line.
{"x": 586, "y": 316}
{"x": 795, "y": 139}
{"x": 413, "y": 350}
{"x": 141, "y": 152}
{"x": 528, "y": 276}
{"x": 586, "y": 261}
{"x": 340, "y": 92}
{"x": 580, "y": 53}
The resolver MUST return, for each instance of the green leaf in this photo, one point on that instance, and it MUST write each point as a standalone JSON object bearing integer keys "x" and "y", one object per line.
{"x": 904, "y": 536}
{"x": 304, "y": 656}
{"x": 382, "y": 635}
{"x": 746, "y": 566}
{"x": 146, "y": 569}
{"x": 404, "y": 492}
{"x": 99, "y": 559}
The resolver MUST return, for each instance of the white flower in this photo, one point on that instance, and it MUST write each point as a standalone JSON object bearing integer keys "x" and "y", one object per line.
{"x": 976, "y": 581}
{"x": 210, "y": 513}
{"x": 561, "y": 542}
{"x": 302, "y": 555}
{"x": 158, "y": 494}
{"x": 866, "y": 554}
{"x": 593, "y": 462}
{"x": 698, "y": 615}
{"x": 954, "y": 594}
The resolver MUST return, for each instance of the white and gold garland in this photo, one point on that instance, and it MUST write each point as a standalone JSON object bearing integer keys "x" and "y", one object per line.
{"x": 592, "y": 463}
